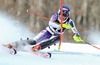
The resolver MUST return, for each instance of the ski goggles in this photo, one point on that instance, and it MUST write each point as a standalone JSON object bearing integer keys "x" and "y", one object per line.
{"x": 65, "y": 15}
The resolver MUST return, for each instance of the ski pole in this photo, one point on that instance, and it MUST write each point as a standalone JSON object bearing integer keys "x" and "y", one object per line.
{"x": 93, "y": 45}
{"x": 29, "y": 11}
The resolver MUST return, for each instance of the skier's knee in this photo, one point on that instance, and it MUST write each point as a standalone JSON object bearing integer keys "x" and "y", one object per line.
{"x": 32, "y": 42}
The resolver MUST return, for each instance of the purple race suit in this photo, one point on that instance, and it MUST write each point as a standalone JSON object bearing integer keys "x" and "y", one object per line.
{"x": 53, "y": 28}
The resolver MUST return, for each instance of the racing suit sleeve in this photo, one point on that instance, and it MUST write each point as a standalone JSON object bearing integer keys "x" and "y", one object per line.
{"x": 76, "y": 36}
{"x": 52, "y": 21}
{"x": 73, "y": 28}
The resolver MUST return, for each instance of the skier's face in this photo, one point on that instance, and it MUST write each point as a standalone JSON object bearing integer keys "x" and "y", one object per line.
{"x": 64, "y": 16}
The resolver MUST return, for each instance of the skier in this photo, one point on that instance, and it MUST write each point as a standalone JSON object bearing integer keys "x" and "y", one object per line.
{"x": 51, "y": 34}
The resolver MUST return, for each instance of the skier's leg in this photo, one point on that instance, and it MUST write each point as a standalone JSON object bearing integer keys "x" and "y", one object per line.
{"x": 19, "y": 45}
{"x": 32, "y": 42}
{"x": 49, "y": 42}
{"x": 46, "y": 43}
{"x": 43, "y": 35}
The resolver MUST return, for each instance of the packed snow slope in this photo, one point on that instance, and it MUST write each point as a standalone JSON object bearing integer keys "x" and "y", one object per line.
{"x": 70, "y": 54}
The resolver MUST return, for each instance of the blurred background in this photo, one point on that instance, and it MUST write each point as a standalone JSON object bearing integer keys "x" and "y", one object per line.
{"x": 85, "y": 13}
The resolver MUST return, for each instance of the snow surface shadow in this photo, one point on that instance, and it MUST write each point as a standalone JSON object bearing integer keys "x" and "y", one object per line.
{"x": 74, "y": 53}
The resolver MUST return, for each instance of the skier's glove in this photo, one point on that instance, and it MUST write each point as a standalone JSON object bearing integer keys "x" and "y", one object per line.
{"x": 67, "y": 26}
{"x": 77, "y": 38}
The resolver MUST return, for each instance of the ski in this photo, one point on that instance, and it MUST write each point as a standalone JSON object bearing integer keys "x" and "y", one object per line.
{"x": 7, "y": 50}
{"x": 13, "y": 52}
{"x": 42, "y": 54}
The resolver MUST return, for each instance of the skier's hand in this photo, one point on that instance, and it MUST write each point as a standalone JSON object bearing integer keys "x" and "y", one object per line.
{"x": 67, "y": 26}
{"x": 77, "y": 38}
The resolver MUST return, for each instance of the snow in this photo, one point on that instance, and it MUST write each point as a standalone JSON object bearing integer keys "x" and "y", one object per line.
{"x": 11, "y": 30}
{"x": 70, "y": 53}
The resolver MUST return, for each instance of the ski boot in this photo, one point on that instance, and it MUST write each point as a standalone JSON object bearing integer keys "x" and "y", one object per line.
{"x": 8, "y": 45}
{"x": 36, "y": 51}
{"x": 36, "y": 48}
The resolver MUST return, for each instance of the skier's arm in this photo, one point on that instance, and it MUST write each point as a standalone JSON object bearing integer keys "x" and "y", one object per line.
{"x": 73, "y": 28}
{"x": 76, "y": 36}
{"x": 53, "y": 24}
{"x": 52, "y": 21}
